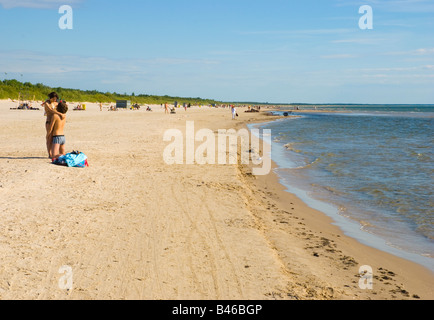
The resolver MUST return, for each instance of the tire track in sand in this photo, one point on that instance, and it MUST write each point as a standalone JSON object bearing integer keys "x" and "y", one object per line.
{"x": 203, "y": 227}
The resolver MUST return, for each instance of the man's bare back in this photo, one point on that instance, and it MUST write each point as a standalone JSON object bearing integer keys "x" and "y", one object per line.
{"x": 57, "y": 125}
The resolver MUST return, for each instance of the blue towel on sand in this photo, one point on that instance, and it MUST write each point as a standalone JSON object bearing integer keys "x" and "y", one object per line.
{"x": 72, "y": 160}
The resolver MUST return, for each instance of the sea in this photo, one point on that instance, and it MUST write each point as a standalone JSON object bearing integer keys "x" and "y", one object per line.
{"x": 369, "y": 167}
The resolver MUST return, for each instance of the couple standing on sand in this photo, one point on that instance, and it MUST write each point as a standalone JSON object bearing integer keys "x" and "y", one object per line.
{"x": 55, "y": 111}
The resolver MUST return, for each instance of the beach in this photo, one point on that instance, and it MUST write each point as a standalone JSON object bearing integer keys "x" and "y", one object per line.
{"x": 131, "y": 226}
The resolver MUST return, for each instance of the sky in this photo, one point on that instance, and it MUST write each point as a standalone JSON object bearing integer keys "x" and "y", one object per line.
{"x": 275, "y": 51}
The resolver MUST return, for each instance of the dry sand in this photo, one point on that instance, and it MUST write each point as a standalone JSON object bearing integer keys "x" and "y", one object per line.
{"x": 132, "y": 227}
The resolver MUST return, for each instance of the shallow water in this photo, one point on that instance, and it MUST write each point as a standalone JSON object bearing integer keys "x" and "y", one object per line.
{"x": 373, "y": 164}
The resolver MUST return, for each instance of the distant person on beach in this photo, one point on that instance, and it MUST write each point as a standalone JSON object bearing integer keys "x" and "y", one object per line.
{"x": 234, "y": 112}
{"x": 166, "y": 109}
{"x": 57, "y": 126}
{"x": 50, "y": 106}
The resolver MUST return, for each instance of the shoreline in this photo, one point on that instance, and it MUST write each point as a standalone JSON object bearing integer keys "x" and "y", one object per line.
{"x": 379, "y": 258}
{"x": 351, "y": 226}
{"x": 132, "y": 227}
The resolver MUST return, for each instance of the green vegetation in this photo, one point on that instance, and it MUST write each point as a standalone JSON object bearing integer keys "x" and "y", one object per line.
{"x": 11, "y": 89}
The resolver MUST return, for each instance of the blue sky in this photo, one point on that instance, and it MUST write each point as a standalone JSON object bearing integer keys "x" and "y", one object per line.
{"x": 276, "y": 51}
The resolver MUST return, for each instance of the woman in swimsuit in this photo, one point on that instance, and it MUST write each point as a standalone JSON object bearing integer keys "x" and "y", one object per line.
{"x": 50, "y": 109}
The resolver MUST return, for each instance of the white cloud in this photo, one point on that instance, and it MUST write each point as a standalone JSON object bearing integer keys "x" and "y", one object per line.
{"x": 394, "y": 75}
{"x": 38, "y": 63}
{"x": 155, "y": 75}
{"x": 393, "y": 70}
{"x": 424, "y": 51}
{"x": 360, "y": 41}
{"x": 407, "y": 6}
{"x": 418, "y": 52}
{"x": 339, "y": 56}
{"x": 297, "y": 32}
{"x": 37, "y": 4}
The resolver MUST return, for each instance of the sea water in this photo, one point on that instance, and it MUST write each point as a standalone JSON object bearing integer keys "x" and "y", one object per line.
{"x": 370, "y": 167}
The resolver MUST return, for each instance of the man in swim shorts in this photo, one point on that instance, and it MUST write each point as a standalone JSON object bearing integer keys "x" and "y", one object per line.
{"x": 50, "y": 109}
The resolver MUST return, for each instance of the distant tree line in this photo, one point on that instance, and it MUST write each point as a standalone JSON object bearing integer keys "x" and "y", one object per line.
{"x": 14, "y": 89}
